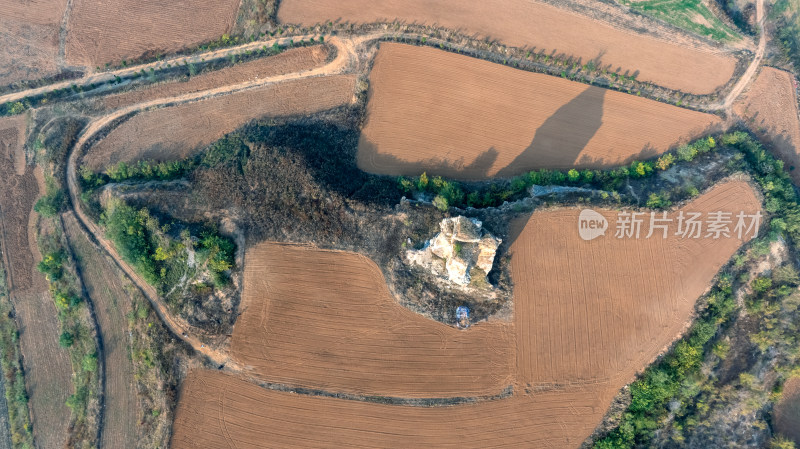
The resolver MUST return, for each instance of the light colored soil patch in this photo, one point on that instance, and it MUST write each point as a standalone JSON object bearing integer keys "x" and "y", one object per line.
{"x": 47, "y": 367}
{"x": 111, "y": 304}
{"x": 448, "y": 114}
{"x": 294, "y": 60}
{"x": 29, "y": 50}
{"x": 524, "y": 23}
{"x": 114, "y": 30}
{"x": 787, "y": 411}
{"x": 599, "y": 311}
{"x": 29, "y": 36}
{"x": 176, "y": 132}
{"x": 588, "y": 315}
{"x": 355, "y": 338}
{"x": 770, "y": 106}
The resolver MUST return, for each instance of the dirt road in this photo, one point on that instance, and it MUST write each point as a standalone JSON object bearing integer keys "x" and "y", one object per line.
{"x": 344, "y": 59}
{"x": 750, "y": 73}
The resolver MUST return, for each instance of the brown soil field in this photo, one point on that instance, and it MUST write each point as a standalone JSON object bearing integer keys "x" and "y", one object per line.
{"x": 452, "y": 115}
{"x": 294, "y": 60}
{"x": 522, "y": 23}
{"x": 355, "y": 338}
{"x": 47, "y": 367}
{"x": 216, "y": 410}
{"x": 29, "y": 32}
{"x": 578, "y": 341}
{"x": 786, "y": 415}
{"x": 600, "y": 310}
{"x": 118, "y": 29}
{"x": 177, "y": 132}
{"x": 111, "y": 303}
{"x": 770, "y": 106}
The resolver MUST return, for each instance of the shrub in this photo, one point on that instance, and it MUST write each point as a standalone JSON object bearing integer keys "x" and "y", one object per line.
{"x": 51, "y": 265}
{"x": 573, "y": 175}
{"x": 440, "y": 203}
{"x": 665, "y": 161}
{"x": 686, "y": 153}
{"x": 656, "y": 201}
{"x": 66, "y": 339}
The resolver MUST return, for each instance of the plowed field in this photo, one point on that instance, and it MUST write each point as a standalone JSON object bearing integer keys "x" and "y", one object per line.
{"x": 599, "y": 310}
{"x": 294, "y": 60}
{"x": 325, "y": 319}
{"x": 430, "y": 110}
{"x": 787, "y": 411}
{"x": 771, "y": 107}
{"x": 110, "y": 31}
{"x": 523, "y": 23}
{"x": 176, "y": 132}
{"x": 111, "y": 302}
{"x": 47, "y": 366}
{"x": 29, "y": 33}
{"x": 220, "y": 411}
{"x": 588, "y": 316}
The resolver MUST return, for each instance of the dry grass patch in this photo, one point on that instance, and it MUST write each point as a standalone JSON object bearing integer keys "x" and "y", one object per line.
{"x": 448, "y": 114}
{"x": 29, "y": 33}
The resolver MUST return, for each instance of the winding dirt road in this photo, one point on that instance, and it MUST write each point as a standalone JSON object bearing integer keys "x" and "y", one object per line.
{"x": 749, "y": 74}
{"x": 344, "y": 59}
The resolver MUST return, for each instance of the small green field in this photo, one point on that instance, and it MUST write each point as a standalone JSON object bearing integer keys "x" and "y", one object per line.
{"x": 690, "y": 15}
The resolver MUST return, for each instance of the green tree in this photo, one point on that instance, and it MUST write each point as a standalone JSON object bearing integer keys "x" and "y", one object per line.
{"x": 66, "y": 339}
{"x": 440, "y": 203}
{"x": 573, "y": 175}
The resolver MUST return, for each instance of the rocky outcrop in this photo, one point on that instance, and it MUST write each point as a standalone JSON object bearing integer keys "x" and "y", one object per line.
{"x": 461, "y": 251}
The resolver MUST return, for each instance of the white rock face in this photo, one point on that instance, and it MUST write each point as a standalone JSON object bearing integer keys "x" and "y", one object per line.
{"x": 462, "y": 245}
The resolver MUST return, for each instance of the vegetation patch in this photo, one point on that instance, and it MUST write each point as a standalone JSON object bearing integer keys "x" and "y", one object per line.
{"x": 690, "y": 15}
{"x": 78, "y": 335}
{"x": 675, "y": 392}
{"x": 16, "y": 396}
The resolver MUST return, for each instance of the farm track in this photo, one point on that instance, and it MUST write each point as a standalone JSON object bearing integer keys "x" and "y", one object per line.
{"x": 345, "y": 57}
{"x": 750, "y": 73}
{"x": 47, "y": 365}
{"x": 586, "y": 321}
{"x": 350, "y": 43}
{"x": 111, "y": 302}
{"x": 177, "y": 326}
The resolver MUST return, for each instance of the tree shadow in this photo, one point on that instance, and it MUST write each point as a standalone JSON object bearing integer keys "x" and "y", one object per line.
{"x": 563, "y": 136}
{"x": 371, "y": 160}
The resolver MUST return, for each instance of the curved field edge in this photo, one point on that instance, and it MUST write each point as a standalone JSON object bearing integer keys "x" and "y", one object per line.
{"x": 555, "y": 30}
{"x": 770, "y": 108}
{"x": 460, "y": 117}
{"x": 203, "y": 122}
{"x": 657, "y": 396}
{"x": 358, "y": 339}
{"x": 111, "y": 305}
{"x": 79, "y": 334}
{"x": 528, "y": 417}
